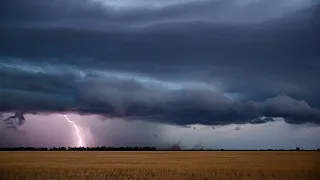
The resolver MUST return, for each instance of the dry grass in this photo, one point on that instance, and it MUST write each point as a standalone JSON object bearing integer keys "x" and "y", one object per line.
{"x": 160, "y": 165}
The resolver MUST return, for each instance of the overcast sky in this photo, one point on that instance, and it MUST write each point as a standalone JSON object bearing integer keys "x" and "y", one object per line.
{"x": 153, "y": 68}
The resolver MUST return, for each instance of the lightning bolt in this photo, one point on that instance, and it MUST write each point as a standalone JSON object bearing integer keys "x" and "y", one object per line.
{"x": 77, "y": 130}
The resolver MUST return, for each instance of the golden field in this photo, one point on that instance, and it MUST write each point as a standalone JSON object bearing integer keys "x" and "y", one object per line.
{"x": 160, "y": 165}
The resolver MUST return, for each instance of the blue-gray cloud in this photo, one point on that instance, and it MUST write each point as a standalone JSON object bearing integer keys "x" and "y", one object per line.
{"x": 179, "y": 63}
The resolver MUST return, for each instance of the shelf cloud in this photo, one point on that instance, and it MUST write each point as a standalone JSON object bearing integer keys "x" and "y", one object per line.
{"x": 212, "y": 62}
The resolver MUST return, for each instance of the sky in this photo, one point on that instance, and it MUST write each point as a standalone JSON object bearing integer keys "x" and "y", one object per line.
{"x": 205, "y": 73}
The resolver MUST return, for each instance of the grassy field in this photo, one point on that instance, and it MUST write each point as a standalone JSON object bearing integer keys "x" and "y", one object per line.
{"x": 160, "y": 165}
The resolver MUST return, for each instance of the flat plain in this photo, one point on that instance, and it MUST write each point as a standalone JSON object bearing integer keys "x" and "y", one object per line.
{"x": 160, "y": 165}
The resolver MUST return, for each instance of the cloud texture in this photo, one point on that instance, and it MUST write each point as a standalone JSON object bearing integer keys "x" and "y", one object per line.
{"x": 178, "y": 62}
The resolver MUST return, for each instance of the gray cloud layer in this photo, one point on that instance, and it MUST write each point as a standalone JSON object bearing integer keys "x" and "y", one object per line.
{"x": 179, "y": 63}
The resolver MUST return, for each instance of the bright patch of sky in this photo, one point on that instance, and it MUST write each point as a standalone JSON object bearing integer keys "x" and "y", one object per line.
{"x": 143, "y": 3}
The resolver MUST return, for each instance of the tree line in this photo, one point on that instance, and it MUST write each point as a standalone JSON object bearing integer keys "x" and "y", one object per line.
{"x": 103, "y": 148}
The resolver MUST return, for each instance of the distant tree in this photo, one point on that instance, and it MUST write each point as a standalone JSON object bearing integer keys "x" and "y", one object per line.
{"x": 297, "y": 149}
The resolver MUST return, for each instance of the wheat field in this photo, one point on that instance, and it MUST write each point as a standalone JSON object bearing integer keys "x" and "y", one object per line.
{"x": 160, "y": 165}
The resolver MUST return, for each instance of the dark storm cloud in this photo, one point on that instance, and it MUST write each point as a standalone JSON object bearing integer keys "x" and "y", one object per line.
{"x": 133, "y": 97}
{"x": 134, "y": 11}
{"x": 173, "y": 64}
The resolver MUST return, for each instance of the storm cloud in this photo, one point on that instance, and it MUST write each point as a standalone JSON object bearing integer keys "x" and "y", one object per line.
{"x": 208, "y": 62}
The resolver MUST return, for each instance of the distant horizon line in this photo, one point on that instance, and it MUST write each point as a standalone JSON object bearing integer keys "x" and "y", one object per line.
{"x": 124, "y": 148}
